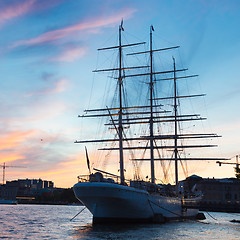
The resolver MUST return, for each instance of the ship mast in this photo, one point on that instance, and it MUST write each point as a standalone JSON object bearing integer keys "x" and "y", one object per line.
{"x": 151, "y": 109}
{"x": 120, "y": 127}
{"x": 116, "y": 113}
{"x": 175, "y": 125}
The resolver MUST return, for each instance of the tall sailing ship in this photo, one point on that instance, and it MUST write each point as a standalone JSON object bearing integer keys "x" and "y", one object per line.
{"x": 113, "y": 198}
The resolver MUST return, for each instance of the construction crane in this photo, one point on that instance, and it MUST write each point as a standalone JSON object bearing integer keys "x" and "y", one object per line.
{"x": 237, "y": 170}
{"x": 237, "y": 164}
{"x": 4, "y": 170}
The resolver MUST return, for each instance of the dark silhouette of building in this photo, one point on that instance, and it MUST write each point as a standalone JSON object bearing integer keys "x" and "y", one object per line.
{"x": 26, "y": 189}
{"x": 8, "y": 192}
{"x": 36, "y": 191}
{"x": 218, "y": 194}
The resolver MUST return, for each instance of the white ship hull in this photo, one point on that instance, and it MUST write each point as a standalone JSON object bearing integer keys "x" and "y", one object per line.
{"x": 109, "y": 202}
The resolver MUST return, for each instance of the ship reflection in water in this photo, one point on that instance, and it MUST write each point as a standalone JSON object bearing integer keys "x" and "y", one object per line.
{"x": 53, "y": 222}
{"x": 221, "y": 228}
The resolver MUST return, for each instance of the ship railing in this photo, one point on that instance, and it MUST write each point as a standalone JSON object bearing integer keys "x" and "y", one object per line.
{"x": 102, "y": 177}
{"x": 83, "y": 178}
{"x": 110, "y": 178}
{"x": 97, "y": 178}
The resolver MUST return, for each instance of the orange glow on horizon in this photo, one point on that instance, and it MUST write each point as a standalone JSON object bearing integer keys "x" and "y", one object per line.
{"x": 13, "y": 139}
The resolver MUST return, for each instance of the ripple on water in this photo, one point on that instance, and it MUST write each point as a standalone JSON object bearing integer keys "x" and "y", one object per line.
{"x": 53, "y": 222}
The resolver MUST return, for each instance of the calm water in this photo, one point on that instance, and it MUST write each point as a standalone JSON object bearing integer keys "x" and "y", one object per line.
{"x": 53, "y": 222}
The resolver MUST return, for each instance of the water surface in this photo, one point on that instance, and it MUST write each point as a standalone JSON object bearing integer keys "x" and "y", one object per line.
{"x": 53, "y": 222}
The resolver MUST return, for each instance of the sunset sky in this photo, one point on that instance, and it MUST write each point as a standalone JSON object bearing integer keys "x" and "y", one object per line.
{"x": 48, "y": 52}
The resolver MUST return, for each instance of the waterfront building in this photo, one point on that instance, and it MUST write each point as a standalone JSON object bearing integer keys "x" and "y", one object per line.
{"x": 26, "y": 189}
{"x": 218, "y": 194}
{"x": 8, "y": 192}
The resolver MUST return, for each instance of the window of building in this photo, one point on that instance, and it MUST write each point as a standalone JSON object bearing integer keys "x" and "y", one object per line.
{"x": 228, "y": 196}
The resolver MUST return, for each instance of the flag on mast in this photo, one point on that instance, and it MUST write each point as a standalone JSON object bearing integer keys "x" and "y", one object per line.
{"x": 121, "y": 26}
{"x": 88, "y": 162}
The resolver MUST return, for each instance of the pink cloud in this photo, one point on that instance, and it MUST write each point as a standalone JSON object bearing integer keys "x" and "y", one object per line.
{"x": 15, "y": 10}
{"x": 58, "y": 87}
{"x": 87, "y": 25}
{"x": 42, "y": 159}
{"x": 13, "y": 139}
{"x": 10, "y": 142}
{"x": 20, "y": 8}
{"x": 70, "y": 55}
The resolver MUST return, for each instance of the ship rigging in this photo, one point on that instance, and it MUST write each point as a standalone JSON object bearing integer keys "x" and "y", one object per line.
{"x": 103, "y": 196}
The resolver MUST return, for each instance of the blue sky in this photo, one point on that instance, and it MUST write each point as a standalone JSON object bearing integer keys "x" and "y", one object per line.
{"x": 48, "y": 52}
